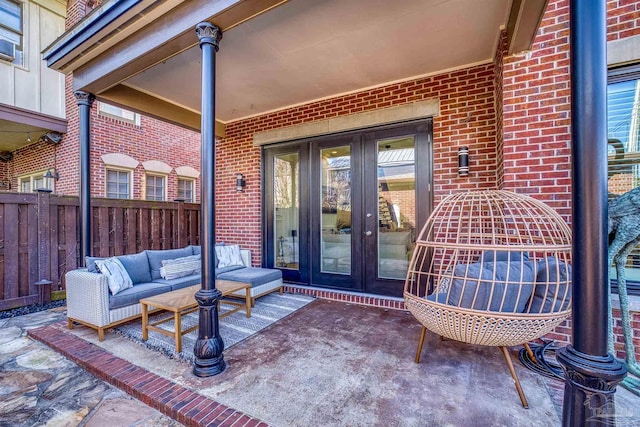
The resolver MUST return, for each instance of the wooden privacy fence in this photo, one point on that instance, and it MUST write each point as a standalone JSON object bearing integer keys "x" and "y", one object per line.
{"x": 39, "y": 237}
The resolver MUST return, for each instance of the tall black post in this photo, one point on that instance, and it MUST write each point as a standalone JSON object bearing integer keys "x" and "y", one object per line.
{"x": 591, "y": 374}
{"x": 85, "y": 100}
{"x": 208, "y": 349}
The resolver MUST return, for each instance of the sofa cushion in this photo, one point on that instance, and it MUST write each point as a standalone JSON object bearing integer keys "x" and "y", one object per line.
{"x": 134, "y": 294}
{"x": 196, "y": 249}
{"x": 223, "y": 270}
{"x": 117, "y": 277}
{"x": 553, "y": 276}
{"x": 255, "y": 276}
{"x": 156, "y": 257}
{"x": 180, "y": 267}
{"x": 90, "y": 262}
{"x": 228, "y": 255}
{"x": 137, "y": 265}
{"x": 181, "y": 282}
{"x": 500, "y": 281}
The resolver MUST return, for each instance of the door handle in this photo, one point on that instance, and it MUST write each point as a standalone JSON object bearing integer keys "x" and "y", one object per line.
{"x": 368, "y": 233}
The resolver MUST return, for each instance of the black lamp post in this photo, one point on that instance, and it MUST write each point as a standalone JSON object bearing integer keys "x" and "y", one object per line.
{"x": 208, "y": 349}
{"x": 85, "y": 100}
{"x": 591, "y": 374}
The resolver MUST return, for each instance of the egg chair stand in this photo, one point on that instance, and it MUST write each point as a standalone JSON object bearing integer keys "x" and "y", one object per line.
{"x": 491, "y": 268}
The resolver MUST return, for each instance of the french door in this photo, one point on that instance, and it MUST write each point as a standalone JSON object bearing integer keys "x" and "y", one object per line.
{"x": 343, "y": 211}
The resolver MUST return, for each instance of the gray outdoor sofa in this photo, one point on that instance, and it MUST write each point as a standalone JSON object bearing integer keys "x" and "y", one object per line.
{"x": 90, "y": 302}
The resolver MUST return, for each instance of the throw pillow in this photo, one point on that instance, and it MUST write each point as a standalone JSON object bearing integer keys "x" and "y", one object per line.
{"x": 91, "y": 263}
{"x": 514, "y": 285}
{"x": 465, "y": 287}
{"x": 180, "y": 267}
{"x": 499, "y": 287}
{"x": 228, "y": 256}
{"x": 117, "y": 277}
{"x": 553, "y": 283}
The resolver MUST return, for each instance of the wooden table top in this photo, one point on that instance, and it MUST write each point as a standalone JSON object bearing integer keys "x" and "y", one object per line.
{"x": 184, "y": 298}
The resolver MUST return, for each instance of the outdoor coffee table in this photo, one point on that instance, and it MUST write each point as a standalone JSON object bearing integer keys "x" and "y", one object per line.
{"x": 182, "y": 302}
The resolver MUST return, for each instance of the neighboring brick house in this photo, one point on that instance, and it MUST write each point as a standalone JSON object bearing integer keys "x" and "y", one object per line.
{"x": 132, "y": 155}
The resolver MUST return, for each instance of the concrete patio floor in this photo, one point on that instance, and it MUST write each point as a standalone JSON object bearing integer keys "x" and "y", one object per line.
{"x": 330, "y": 363}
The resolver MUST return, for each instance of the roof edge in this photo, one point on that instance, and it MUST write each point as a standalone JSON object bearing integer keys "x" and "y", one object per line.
{"x": 86, "y": 28}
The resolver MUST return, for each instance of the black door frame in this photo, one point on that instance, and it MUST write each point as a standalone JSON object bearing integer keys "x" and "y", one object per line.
{"x": 353, "y": 280}
{"x": 302, "y": 275}
{"x": 422, "y": 132}
{"x": 309, "y": 210}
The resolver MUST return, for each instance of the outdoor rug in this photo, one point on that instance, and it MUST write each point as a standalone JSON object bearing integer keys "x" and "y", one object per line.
{"x": 233, "y": 328}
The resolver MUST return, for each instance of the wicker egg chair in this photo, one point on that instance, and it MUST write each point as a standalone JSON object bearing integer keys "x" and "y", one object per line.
{"x": 491, "y": 268}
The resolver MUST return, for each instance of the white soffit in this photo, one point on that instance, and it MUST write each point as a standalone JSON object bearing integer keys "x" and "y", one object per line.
{"x": 306, "y": 50}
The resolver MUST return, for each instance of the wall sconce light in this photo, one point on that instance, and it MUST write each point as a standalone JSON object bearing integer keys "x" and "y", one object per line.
{"x": 52, "y": 175}
{"x": 240, "y": 183}
{"x": 463, "y": 161}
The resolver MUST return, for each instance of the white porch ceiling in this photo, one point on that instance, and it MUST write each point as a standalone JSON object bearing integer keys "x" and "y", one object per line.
{"x": 306, "y": 50}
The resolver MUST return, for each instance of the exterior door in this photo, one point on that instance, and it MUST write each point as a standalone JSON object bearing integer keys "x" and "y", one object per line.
{"x": 286, "y": 214}
{"x": 397, "y": 201}
{"x": 343, "y": 211}
{"x": 336, "y": 212}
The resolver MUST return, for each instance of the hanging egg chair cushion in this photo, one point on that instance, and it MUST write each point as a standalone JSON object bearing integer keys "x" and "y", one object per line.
{"x": 495, "y": 286}
{"x": 553, "y": 284}
{"x": 491, "y": 256}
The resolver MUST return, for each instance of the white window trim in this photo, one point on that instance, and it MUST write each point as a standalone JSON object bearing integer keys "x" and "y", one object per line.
{"x": 31, "y": 177}
{"x": 193, "y": 187}
{"x": 157, "y": 175}
{"x": 106, "y": 179}
{"x": 25, "y": 37}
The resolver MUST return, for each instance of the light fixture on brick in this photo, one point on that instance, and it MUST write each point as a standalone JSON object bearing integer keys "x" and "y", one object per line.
{"x": 463, "y": 161}
{"x": 52, "y": 138}
{"x": 240, "y": 183}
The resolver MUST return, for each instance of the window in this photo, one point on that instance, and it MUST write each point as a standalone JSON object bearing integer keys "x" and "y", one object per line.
{"x": 118, "y": 184}
{"x": 112, "y": 111}
{"x": 37, "y": 181}
{"x": 11, "y": 27}
{"x": 623, "y": 141}
{"x": 155, "y": 187}
{"x": 185, "y": 190}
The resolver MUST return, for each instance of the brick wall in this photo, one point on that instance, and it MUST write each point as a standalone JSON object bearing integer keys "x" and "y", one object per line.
{"x": 498, "y": 88}
{"x": 623, "y": 19}
{"x": 467, "y": 117}
{"x": 536, "y": 106}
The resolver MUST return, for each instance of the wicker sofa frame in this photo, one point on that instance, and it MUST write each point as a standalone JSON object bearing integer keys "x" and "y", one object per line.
{"x": 88, "y": 299}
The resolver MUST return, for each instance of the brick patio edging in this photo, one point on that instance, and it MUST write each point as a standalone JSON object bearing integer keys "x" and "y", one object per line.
{"x": 173, "y": 400}
{"x": 349, "y": 297}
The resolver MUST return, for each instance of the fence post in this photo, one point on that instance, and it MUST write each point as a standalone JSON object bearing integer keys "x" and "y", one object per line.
{"x": 181, "y": 238}
{"x": 44, "y": 247}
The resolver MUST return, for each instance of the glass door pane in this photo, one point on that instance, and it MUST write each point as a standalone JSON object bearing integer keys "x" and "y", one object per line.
{"x": 335, "y": 205}
{"x": 286, "y": 203}
{"x": 396, "y": 206}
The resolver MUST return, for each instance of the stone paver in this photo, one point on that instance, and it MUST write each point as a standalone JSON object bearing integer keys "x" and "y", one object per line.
{"x": 39, "y": 387}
